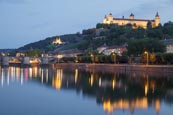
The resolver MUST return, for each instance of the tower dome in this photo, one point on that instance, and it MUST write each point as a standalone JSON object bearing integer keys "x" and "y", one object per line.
{"x": 131, "y": 16}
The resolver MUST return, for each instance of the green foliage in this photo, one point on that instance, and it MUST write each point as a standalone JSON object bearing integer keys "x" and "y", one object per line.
{"x": 137, "y": 47}
{"x": 46, "y": 44}
{"x": 89, "y": 31}
{"x": 111, "y": 34}
{"x": 50, "y": 47}
{"x": 34, "y": 53}
{"x": 168, "y": 30}
{"x": 83, "y": 45}
{"x": 158, "y": 58}
{"x": 106, "y": 26}
{"x": 164, "y": 58}
{"x": 168, "y": 58}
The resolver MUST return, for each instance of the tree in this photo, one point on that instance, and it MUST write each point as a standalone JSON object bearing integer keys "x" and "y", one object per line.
{"x": 137, "y": 47}
{"x": 34, "y": 53}
{"x": 152, "y": 57}
{"x": 149, "y": 25}
{"x": 168, "y": 58}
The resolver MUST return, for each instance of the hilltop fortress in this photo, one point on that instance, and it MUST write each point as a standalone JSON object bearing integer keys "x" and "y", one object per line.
{"x": 131, "y": 20}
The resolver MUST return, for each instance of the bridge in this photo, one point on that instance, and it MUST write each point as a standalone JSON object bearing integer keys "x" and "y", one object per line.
{"x": 6, "y": 61}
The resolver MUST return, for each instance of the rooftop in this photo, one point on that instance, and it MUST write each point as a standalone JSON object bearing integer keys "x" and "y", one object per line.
{"x": 167, "y": 41}
{"x": 133, "y": 19}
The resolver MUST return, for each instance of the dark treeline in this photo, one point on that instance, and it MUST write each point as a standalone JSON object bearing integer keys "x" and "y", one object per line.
{"x": 111, "y": 34}
{"x": 154, "y": 58}
{"x": 139, "y": 40}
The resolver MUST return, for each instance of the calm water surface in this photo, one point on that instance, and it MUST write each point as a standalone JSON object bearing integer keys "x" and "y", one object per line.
{"x": 40, "y": 91}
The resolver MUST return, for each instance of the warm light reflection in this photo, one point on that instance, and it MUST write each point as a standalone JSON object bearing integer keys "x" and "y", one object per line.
{"x": 30, "y": 72}
{"x": 107, "y": 106}
{"x": 57, "y": 81}
{"x": 11, "y": 74}
{"x": 153, "y": 84}
{"x": 26, "y": 73}
{"x": 100, "y": 82}
{"x": 157, "y": 106}
{"x": 76, "y": 75}
{"x": 146, "y": 86}
{"x": 11, "y": 71}
{"x": 125, "y": 104}
{"x": 34, "y": 61}
{"x": 91, "y": 79}
{"x": 35, "y": 71}
{"x": 17, "y": 72}
{"x": 113, "y": 83}
{"x": 146, "y": 89}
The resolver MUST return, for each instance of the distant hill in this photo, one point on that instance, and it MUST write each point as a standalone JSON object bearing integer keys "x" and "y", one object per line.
{"x": 46, "y": 44}
{"x": 6, "y": 50}
{"x": 109, "y": 34}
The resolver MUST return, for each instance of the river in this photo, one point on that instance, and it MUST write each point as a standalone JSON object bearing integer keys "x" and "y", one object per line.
{"x": 75, "y": 91}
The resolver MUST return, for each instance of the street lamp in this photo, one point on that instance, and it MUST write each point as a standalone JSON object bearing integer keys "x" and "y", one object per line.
{"x": 114, "y": 56}
{"x": 76, "y": 59}
{"x": 147, "y": 56}
{"x": 59, "y": 57}
{"x": 92, "y": 58}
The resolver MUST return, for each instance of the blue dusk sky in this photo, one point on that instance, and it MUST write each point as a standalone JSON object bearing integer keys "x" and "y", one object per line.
{"x": 26, "y": 21}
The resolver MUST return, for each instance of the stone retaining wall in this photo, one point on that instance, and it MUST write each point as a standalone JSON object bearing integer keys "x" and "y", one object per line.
{"x": 151, "y": 70}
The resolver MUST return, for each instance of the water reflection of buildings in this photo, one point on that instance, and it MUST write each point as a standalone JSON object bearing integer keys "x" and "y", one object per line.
{"x": 21, "y": 75}
{"x": 57, "y": 80}
{"x": 11, "y": 74}
{"x": 113, "y": 90}
{"x": 124, "y": 104}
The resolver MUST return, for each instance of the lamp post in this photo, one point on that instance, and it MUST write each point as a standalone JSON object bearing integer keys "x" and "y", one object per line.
{"x": 147, "y": 56}
{"x": 92, "y": 58}
{"x": 76, "y": 59}
{"x": 114, "y": 56}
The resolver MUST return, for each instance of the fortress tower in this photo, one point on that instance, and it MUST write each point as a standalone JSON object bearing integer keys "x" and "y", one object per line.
{"x": 132, "y": 16}
{"x": 157, "y": 20}
{"x": 131, "y": 20}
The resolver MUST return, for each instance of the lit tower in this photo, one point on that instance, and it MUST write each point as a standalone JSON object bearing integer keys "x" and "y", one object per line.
{"x": 157, "y": 19}
{"x": 131, "y": 16}
{"x": 110, "y": 18}
{"x": 105, "y": 20}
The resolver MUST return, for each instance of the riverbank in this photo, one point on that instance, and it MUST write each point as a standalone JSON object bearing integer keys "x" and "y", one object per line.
{"x": 156, "y": 70}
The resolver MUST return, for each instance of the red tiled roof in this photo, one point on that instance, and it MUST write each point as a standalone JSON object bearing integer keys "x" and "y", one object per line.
{"x": 133, "y": 19}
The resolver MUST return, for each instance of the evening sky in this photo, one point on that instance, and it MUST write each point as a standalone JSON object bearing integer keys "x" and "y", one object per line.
{"x": 26, "y": 21}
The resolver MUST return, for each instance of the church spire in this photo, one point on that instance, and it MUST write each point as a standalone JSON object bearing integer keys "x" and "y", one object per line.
{"x": 157, "y": 20}
{"x": 157, "y": 14}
